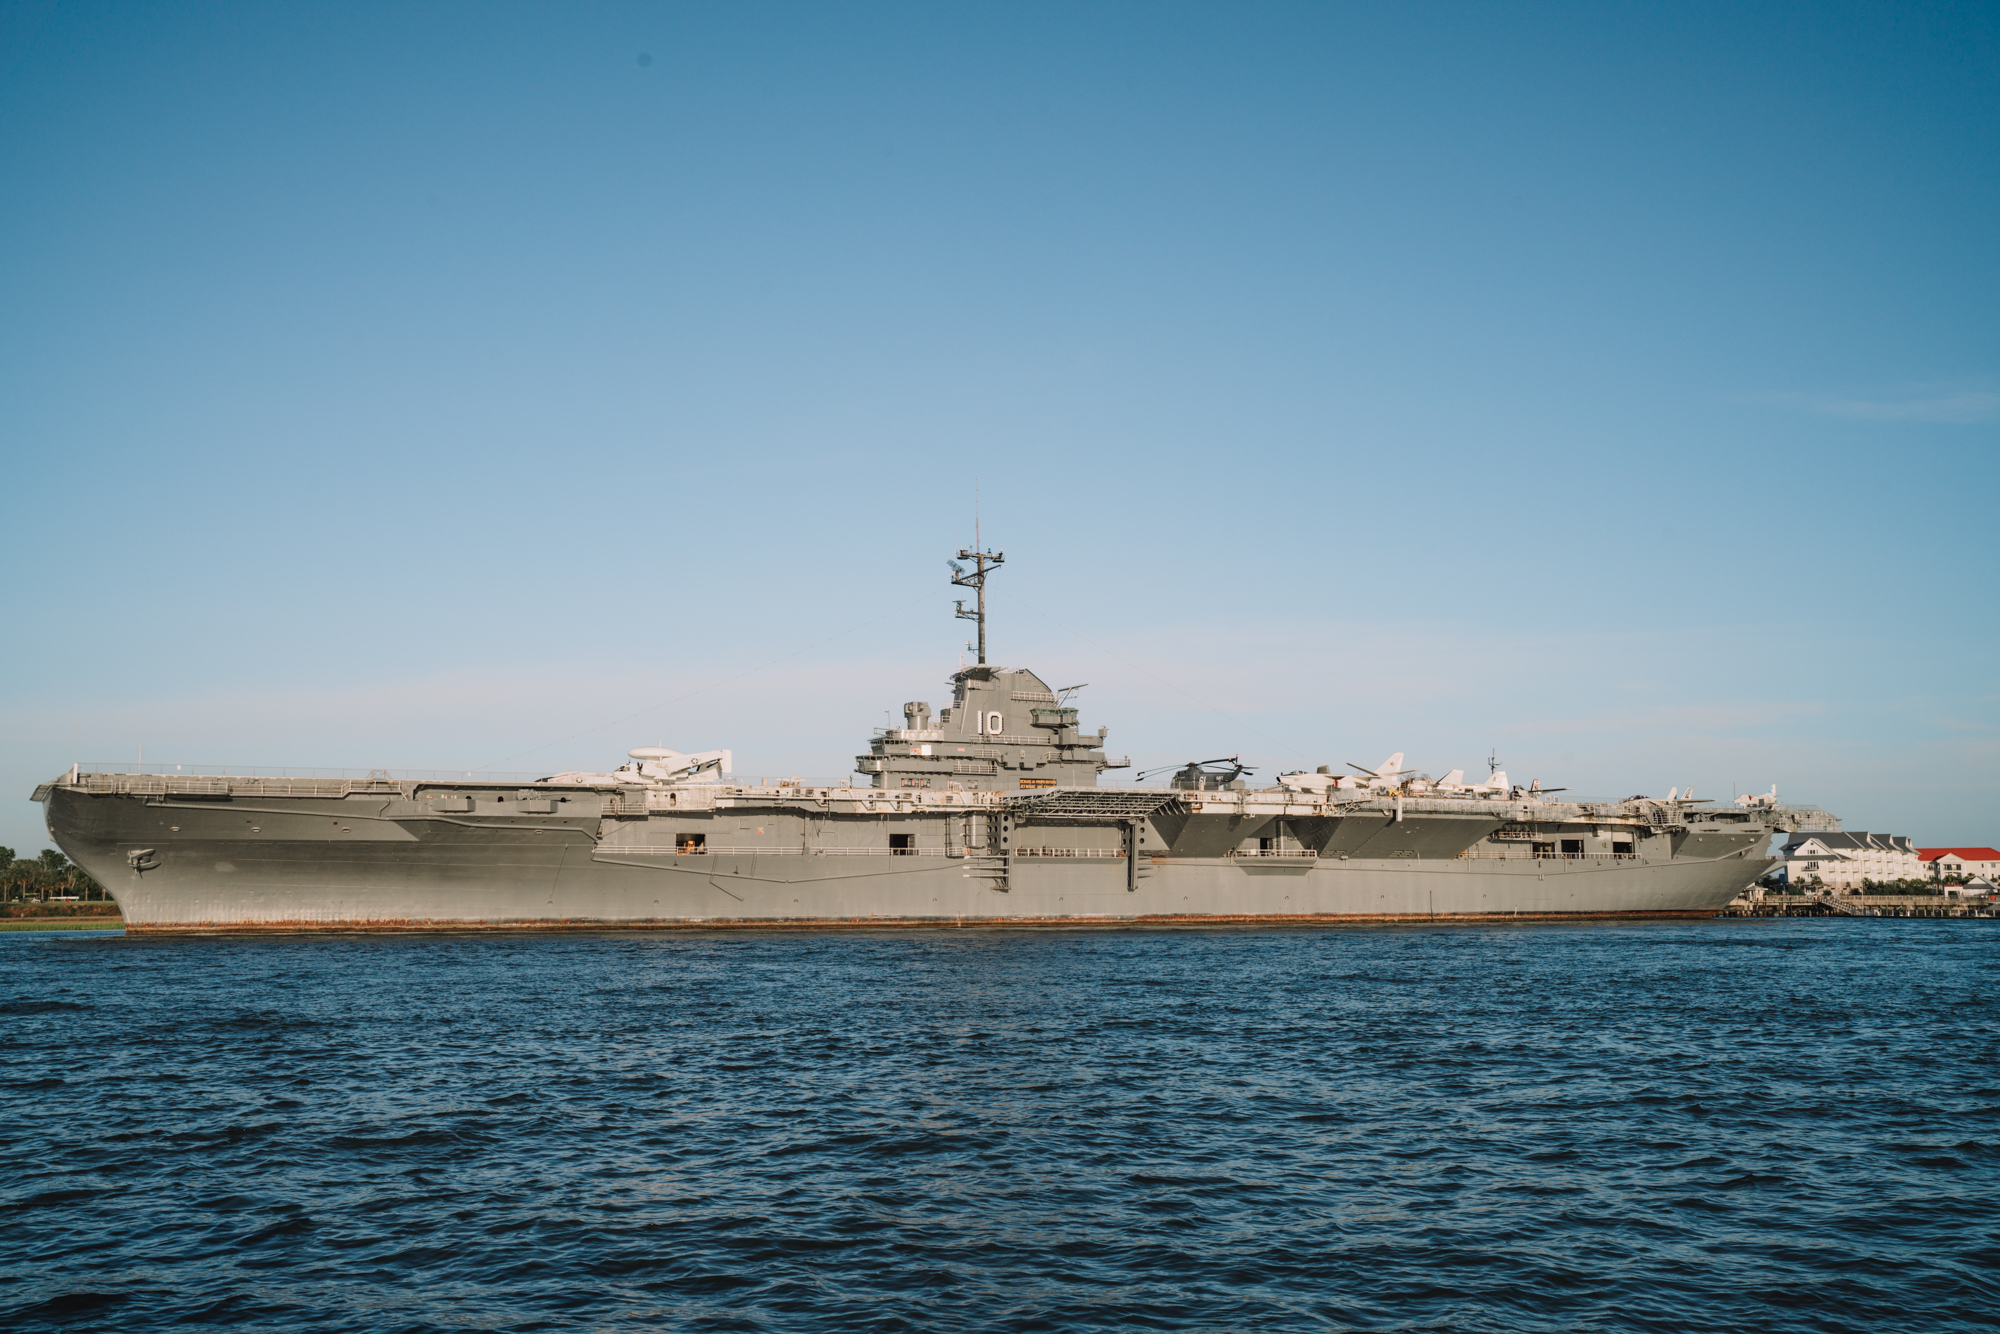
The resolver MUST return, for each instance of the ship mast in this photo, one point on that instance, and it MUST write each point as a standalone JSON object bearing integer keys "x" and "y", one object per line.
{"x": 975, "y": 579}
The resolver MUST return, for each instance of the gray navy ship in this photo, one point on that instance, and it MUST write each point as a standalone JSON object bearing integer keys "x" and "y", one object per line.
{"x": 991, "y": 812}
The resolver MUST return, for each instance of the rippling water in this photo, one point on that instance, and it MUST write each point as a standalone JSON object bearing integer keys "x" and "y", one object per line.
{"x": 1772, "y": 1125}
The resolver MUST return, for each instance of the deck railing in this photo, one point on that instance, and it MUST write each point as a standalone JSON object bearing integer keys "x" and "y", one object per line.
{"x": 529, "y": 777}
{"x": 1472, "y": 855}
{"x": 748, "y": 850}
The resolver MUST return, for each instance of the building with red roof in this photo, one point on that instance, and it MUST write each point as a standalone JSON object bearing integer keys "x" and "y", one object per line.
{"x": 1982, "y": 862}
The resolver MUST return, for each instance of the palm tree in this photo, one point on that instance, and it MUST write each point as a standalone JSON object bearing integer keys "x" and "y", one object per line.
{"x": 19, "y": 876}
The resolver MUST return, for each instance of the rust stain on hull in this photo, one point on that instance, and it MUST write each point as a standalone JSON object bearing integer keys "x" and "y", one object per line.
{"x": 392, "y": 927}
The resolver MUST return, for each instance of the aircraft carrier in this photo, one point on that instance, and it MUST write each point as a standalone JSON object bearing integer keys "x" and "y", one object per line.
{"x": 989, "y": 813}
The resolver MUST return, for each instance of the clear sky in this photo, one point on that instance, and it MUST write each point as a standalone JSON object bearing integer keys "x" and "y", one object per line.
{"x": 489, "y": 386}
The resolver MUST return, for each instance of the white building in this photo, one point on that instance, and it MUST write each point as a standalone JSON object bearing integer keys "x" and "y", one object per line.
{"x": 1981, "y": 862}
{"x": 1843, "y": 861}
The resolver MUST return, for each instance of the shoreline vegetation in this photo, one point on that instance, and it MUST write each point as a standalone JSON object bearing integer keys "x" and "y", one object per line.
{"x": 50, "y": 880}
{"x": 16, "y": 911}
{"x": 1812, "y": 885}
{"x": 35, "y": 916}
{"x": 52, "y": 893}
{"x": 62, "y": 924}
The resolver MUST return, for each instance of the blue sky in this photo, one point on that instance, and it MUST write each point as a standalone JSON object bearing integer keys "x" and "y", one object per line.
{"x": 469, "y": 386}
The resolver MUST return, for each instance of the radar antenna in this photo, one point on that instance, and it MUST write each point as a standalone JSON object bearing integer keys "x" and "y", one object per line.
{"x": 983, "y": 561}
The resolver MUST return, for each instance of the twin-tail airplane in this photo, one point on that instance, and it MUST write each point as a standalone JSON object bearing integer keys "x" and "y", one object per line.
{"x": 654, "y": 764}
{"x": 1390, "y": 775}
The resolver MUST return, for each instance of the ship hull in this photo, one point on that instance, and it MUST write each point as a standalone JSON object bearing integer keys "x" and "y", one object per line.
{"x": 337, "y": 867}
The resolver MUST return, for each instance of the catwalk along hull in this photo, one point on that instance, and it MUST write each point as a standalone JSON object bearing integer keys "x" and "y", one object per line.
{"x": 264, "y": 855}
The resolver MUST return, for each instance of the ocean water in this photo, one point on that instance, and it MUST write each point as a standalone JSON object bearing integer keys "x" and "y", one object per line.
{"x": 1728, "y": 1125}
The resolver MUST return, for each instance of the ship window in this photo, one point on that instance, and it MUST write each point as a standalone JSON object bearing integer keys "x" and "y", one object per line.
{"x": 1621, "y": 849}
{"x": 687, "y": 843}
{"x": 1572, "y": 847}
{"x": 899, "y": 845}
{"x": 1545, "y": 849}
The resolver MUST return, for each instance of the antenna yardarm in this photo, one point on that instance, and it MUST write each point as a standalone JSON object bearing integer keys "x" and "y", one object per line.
{"x": 975, "y": 579}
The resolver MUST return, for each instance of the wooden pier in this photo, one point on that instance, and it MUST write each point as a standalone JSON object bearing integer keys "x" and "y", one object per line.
{"x": 1860, "y": 905}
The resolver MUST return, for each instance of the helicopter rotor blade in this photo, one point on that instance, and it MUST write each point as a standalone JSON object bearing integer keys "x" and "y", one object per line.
{"x": 1229, "y": 760}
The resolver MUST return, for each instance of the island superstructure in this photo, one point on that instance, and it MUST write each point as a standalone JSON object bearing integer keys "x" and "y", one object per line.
{"x": 990, "y": 811}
